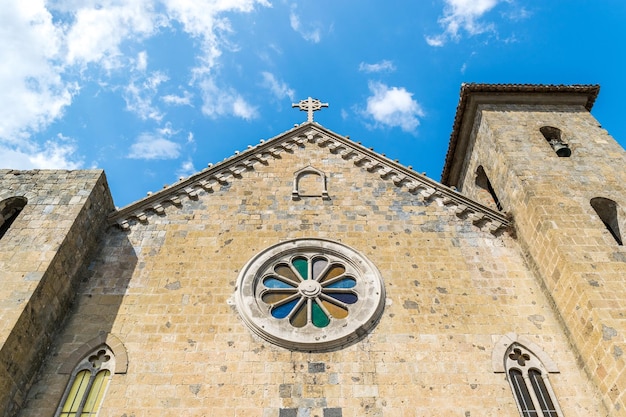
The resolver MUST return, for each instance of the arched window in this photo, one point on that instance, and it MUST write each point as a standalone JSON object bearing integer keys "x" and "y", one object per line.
{"x": 553, "y": 136}
{"x": 9, "y": 210}
{"x": 483, "y": 183}
{"x": 607, "y": 210}
{"x": 529, "y": 381}
{"x": 90, "y": 368}
{"x": 88, "y": 383}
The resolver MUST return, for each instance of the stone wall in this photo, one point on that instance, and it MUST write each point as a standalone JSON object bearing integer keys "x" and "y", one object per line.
{"x": 166, "y": 289}
{"x": 581, "y": 266}
{"x": 41, "y": 256}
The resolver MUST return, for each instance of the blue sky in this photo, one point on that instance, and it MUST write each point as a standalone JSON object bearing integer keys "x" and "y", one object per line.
{"x": 152, "y": 90}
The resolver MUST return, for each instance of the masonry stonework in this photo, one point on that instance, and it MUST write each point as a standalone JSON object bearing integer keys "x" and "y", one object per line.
{"x": 459, "y": 278}
{"x": 579, "y": 264}
{"x": 41, "y": 257}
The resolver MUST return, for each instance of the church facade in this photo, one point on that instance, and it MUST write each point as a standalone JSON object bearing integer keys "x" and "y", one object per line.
{"x": 310, "y": 276}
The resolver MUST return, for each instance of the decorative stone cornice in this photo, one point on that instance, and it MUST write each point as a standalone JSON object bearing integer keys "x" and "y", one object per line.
{"x": 473, "y": 94}
{"x": 232, "y": 168}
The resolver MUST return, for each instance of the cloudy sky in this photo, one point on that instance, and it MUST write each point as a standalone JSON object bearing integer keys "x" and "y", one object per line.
{"x": 152, "y": 90}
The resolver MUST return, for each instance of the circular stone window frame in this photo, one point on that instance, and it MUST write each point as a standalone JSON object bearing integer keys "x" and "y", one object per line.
{"x": 362, "y": 317}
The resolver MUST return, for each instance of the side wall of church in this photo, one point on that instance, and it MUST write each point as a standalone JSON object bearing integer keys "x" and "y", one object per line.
{"x": 581, "y": 264}
{"x": 40, "y": 257}
{"x": 166, "y": 290}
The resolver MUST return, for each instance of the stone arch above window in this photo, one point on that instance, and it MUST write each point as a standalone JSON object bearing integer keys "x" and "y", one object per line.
{"x": 9, "y": 210}
{"x": 554, "y": 138}
{"x": 505, "y": 343}
{"x": 309, "y": 182}
{"x": 109, "y": 340}
{"x": 608, "y": 211}
{"x": 484, "y": 185}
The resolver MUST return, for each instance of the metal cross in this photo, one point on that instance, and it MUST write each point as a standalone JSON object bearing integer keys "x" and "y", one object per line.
{"x": 310, "y": 105}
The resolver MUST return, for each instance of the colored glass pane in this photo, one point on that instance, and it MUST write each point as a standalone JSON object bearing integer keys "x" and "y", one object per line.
{"x": 92, "y": 404}
{"x": 343, "y": 283}
{"x": 272, "y": 282}
{"x": 288, "y": 300}
{"x": 75, "y": 396}
{"x": 275, "y": 297}
{"x": 319, "y": 264}
{"x": 334, "y": 310}
{"x": 319, "y": 318}
{"x": 286, "y": 272}
{"x": 347, "y": 298}
{"x": 302, "y": 266}
{"x": 283, "y": 310}
{"x": 333, "y": 272}
{"x": 299, "y": 319}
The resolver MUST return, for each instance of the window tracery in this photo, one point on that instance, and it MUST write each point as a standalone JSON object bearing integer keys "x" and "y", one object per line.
{"x": 529, "y": 382}
{"x": 88, "y": 383}
{"x": 310, "y": 294}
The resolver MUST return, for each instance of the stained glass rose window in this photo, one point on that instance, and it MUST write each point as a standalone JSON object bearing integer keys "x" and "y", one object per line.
{"x": 310, "y": 294}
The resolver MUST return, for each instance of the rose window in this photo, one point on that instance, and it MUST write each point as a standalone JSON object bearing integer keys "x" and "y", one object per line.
{"x": 309, "y": 291}
{"x": 310, "y": 294}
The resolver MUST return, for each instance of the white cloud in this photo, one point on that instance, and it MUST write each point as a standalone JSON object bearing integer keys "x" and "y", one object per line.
{"x": 155, "y": 146}
{"x": 393, "y": 107}
{"x": 46, "y": 59}
{"x": 280, "y": 89}
{"x": 311, "y": 34}
{"x": 139, "y": 96}
{"x": 438, "y": 40}
{"x": 203, "y": 19}
{"x": 462, "y": 15}
{"x": 222, "y": 102}
{"x": 97, "y": 31}
{"x": 174, "y": 100}
{"x": 186, "y": 169}
{"x": 382, "y": 66}
{"x": 59, "y": 153}
{"x": 32, "y": 92}
{"x": 142, "y": 61}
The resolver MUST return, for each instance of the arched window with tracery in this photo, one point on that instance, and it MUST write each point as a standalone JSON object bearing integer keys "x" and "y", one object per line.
{"x": 529, "y": 382}
{"x": 91, "y": 368}
{"x": 9, "y": 210}
{"x": 88, "y": 383}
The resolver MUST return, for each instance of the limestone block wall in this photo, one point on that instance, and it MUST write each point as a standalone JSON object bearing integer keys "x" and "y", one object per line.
{"x": 166, "y": 290}
{"x": 581, "y": 264}
{"x": 40, "y": 258}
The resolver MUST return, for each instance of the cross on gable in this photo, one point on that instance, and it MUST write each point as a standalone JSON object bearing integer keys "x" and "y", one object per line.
{"x": 310, "y": 105}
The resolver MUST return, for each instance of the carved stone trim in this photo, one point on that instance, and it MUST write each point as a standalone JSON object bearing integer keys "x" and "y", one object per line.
{"x": 232, "y": 168}
{"x": 501, "y": 347}
{"x": 108, "y": 339}
{"x": 297, "y": 176}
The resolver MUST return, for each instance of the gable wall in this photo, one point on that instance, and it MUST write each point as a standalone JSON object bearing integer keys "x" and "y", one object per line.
{"x": 166, "y": 290}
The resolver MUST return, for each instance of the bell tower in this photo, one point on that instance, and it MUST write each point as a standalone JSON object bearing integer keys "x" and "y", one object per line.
{"x": 537, "y": 153}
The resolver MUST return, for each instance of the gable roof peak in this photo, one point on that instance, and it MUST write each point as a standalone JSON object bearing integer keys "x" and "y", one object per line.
{"x": 313, "y": 133}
